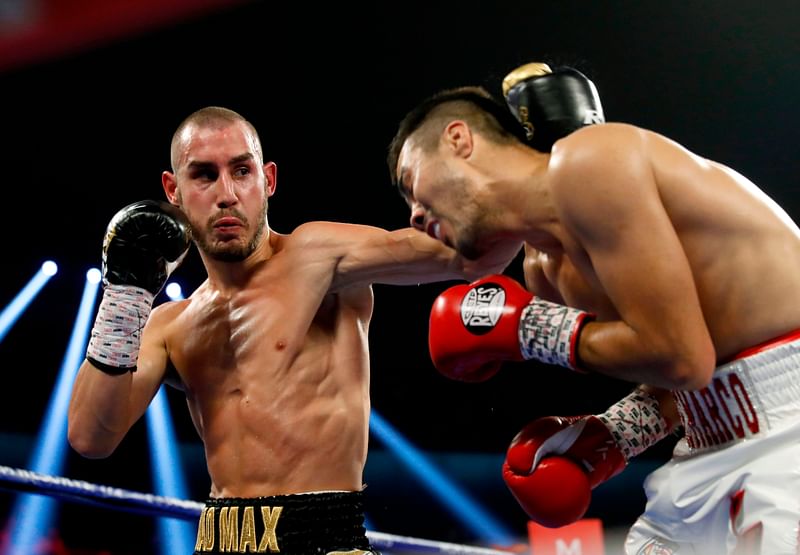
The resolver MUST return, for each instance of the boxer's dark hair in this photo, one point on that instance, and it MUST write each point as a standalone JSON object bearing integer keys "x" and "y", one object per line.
{"x": 472, "y": 104}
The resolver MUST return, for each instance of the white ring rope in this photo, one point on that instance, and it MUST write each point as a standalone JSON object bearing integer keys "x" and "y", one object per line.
{"x": 20, "y": 480}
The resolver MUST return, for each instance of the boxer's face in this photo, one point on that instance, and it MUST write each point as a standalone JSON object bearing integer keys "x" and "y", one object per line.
{"x": 437, "y": 192}
{"x": 223, "y": 188}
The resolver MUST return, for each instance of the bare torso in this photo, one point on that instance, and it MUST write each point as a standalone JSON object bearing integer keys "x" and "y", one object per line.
{"x": 276, "y": 376}
{"x": 743, "y": 251}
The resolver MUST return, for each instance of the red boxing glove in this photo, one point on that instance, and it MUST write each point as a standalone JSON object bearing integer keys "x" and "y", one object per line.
{"x": 602, "y": 445}
{"x": 474, "y": 327}
{"x": 584, "y": 439}
{"x": 532, "y": 473}
{"x": 557, "y": 494}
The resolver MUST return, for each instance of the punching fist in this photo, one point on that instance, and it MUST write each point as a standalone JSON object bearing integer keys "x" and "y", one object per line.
{"x": 144, "y": 243}
{"x": 474, "y": 327}
{"x": 551, "y": 104}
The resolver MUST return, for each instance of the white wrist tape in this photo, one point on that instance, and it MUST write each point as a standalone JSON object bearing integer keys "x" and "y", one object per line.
{"x": 548, "y": 332}
{"x": 117, "y": 332}
{"x": 635, "y": 422}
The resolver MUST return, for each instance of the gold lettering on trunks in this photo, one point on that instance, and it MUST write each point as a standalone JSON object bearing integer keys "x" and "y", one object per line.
{"x": 269, "y": 541}
{"x": 205, "y": 531}
{"x": 248, "y": 537}
{"x": 238, "y": 535}
{"x": 229, "y": 529}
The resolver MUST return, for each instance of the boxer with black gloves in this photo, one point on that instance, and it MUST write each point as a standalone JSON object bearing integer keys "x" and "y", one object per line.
{"x": 692, "y": 274}
{"x": 270, "y": 350}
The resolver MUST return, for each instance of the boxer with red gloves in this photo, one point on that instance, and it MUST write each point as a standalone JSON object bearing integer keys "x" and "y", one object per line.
{"x": 476, "y": 326}
{"x": 693, "y": 274}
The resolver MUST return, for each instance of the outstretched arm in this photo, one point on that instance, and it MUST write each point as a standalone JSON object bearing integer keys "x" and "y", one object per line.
{"x": 364, "y": 255}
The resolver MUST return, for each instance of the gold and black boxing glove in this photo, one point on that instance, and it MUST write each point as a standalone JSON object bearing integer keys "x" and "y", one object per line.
{"x": 143, "y": 244}
{"x": 551, "y": 104}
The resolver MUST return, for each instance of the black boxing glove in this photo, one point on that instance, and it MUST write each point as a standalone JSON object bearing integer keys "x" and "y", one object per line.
{"x": 551, "y": 104}
{"x": 143, "y": 244}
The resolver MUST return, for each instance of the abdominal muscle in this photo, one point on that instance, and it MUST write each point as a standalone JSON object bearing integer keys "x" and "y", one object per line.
{"x": 283, "y": 410}
{"x": 260, "y": 442}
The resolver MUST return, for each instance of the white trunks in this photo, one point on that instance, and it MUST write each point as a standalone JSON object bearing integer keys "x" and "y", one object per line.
{"x": 733, "y": 484}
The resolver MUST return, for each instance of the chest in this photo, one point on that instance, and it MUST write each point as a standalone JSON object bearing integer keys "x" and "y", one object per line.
{"x": 576, "y": 283}
{"x": 253, "y": 328}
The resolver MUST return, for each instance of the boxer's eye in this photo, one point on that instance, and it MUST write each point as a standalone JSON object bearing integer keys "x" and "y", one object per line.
{"x": 203, "y": 172}
{"x": 404, "y": 190}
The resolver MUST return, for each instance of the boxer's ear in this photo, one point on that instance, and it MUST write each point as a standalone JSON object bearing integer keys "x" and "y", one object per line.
{"x": 457, "y": 137}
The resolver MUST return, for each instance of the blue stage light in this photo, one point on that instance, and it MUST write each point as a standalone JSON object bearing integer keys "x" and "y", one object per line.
{"x": 32, "y": 515}
{"x": 475, "y": 518}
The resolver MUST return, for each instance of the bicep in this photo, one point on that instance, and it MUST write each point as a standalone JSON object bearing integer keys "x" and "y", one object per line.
{"x": 606, "y": 193}
{"x": 640, "y": 263}
{"x": 400, "y": 257}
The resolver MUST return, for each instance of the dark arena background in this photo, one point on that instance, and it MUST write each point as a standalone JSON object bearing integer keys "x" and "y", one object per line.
{"x": 92, "y": 90}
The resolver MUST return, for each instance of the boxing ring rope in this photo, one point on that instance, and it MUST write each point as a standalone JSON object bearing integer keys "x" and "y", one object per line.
{"x": 26, "y": 481}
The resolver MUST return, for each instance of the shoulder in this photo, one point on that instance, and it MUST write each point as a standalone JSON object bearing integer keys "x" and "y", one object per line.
{"x": 305, "y": 233}
{"x": 593, "y": 144}
{"x": 597, "y": 161}
{"x": 346, "y": 238}
{"x": 167, "y": 312}
{"x": 601, "y": 175}
{"x": 328, "y": 233}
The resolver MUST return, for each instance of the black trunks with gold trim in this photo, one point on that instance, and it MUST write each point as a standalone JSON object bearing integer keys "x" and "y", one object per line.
{"x": 304, "y": 524}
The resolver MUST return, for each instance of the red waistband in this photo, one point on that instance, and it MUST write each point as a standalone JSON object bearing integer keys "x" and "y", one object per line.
{"x": 768, "y": 344}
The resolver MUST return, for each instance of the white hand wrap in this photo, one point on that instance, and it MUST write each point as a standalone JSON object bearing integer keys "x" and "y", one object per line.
{"x": 548, "y": 332}
{"x": 116, "y": 335}
{"x": 635, "y": 422}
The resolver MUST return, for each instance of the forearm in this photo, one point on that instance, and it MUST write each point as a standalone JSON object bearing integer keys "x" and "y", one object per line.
{"x": 407, "y": 257}
{"x": 401, "y": 257}
{"x": 431, "y": 259}
{"x": 99, "y": 411}
{"x": 616, "y": 350}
